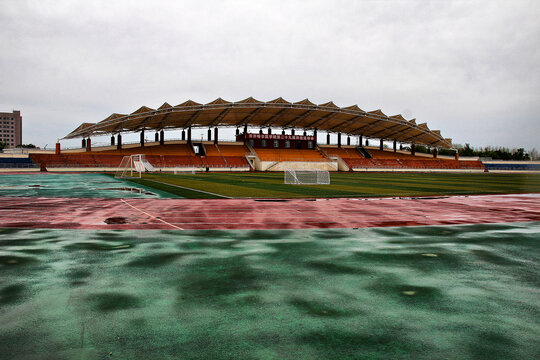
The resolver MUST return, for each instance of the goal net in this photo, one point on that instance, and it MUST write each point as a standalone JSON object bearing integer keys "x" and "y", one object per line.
{"x": 133, "y": 166}
{"x": 307, "y": 177}
{"x": 183, "y": 171}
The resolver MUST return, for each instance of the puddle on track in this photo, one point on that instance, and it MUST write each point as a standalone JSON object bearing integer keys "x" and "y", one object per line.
{"x": 467, "y": 292}
{"x": 74, "y": 186}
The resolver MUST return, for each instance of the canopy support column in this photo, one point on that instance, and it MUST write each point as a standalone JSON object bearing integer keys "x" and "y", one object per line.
{"x": 142, "y": 138}
{"x": 327, "y": 138}
{"x": 215, "y": 135}
{"x": 118, "y": 141}
{"x": 112, "y": 140}
{"x": 161, "y": 137}
{"x": 381, "y": 145}
{"x": 89, "y": 145}
{"x": 413, "y": 149}
{"x": 338, "y": 140}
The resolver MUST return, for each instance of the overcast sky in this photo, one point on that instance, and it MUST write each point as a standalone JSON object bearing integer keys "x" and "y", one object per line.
{"x": 470, "y": 69}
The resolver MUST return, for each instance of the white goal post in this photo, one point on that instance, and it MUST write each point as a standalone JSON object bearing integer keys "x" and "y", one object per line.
{"x": 133, "y": 166}
{"x": 307, "y": 177}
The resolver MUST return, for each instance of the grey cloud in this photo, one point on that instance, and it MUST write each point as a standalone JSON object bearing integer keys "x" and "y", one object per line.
{"x": 469, "y": 69}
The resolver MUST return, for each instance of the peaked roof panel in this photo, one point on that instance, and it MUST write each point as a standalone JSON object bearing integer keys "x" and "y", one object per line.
{"x": 353, "y": 108}
{"x": 329, "y": 104}
{"x": 142, "y": 109}
{"x": 165, "y": 106}
{"x": 377, "y": 112}
{"x": 249, "y": 100}
{"x": 219, "y": 101}
{"x": 188, "y": 103}
{"x": 279, "y": 100}
{"x": 113, "y": 116}
{"x": 304, "y": 102}
{"x": 397, "y": 117}
{"x": 80, "y": 128}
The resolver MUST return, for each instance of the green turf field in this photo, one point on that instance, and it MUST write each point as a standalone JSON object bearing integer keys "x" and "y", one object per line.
{"x": 270, "y": 185}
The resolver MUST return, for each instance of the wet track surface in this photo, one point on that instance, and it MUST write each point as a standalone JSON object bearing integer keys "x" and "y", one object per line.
{"x": 27, "y": 212}
{"x": 428, "y": 292}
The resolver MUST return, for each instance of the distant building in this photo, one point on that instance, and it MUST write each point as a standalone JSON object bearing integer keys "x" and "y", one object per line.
{"x": 11, "y": 128}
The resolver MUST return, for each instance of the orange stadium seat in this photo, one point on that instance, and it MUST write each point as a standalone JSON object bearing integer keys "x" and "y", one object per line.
{"x": 290, "y": 155}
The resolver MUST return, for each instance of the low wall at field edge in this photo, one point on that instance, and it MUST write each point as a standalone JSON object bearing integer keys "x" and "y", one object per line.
{"x": 297, "y": 165}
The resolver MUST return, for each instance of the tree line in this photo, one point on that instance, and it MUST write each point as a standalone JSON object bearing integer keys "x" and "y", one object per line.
{"x": 494, "y": 152}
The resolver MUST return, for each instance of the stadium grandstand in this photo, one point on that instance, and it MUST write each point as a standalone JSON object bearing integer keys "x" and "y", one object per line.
{"x": 270, "y": 136}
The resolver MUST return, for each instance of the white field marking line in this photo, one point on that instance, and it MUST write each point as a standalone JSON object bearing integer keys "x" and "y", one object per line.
{"x": 183, "y": 187}
{"x": 152, "y": 216}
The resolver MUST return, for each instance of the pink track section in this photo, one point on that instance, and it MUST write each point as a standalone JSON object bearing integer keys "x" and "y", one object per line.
{"x": 69, "y": 213}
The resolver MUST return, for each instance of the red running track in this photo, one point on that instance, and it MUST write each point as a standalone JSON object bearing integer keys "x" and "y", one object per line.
{"x": 69, "y": 213}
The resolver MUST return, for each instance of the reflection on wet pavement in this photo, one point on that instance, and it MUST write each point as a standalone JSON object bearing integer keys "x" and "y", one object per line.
{"x": 467, "y": 292}
{"x": 73, "y": 186}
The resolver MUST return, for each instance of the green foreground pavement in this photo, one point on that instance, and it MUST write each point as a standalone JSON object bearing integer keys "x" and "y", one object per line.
{"x": 439, "y": 292}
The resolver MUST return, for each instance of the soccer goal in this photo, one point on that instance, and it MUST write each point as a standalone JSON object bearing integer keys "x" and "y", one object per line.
{"x": 184, "y": 171}
{"x": 133, "y": 166}
{"x": 307, "y": 177}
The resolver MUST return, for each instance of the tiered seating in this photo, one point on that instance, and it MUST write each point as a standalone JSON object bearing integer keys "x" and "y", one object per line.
{"x": 10, "y": 162}
{"x": 235, "y": 155}
{"x": 387, "y": 163}
{"x": 225, "y": 155}
{"x": 213, "y": 157}
{"x": 382, "y": 154}
{"x": 471, "y": 165}
{"x": 396, "y": 160}
{"x": 167, "y": 149}
{"x": 344, "y": 153}
{"x": 233, "y": 150}
{"x": 77, "y": 160}
{"x": 290, "y": 155}
{"x": 177, "y": 155}
{"x": 425, "y": 163}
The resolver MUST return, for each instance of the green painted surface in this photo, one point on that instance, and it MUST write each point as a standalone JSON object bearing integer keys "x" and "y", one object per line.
{"x": 270, "y": 185}
{"x": 75, "y": 185}
{"x": 440, "y": 292}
